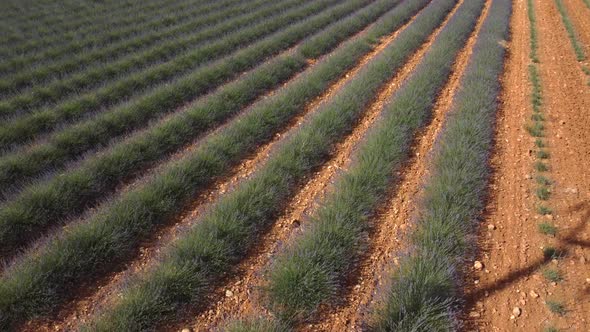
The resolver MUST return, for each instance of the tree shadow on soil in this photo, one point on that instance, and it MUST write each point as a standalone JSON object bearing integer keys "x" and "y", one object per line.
{"x": 565, "y": 244}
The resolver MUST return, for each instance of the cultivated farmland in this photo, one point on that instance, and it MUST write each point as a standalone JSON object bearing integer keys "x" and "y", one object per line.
{"x": 294, "y": 165}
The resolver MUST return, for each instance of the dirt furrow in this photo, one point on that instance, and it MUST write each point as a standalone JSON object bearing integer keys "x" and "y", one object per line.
{"x": 391, "y": 223}
{"x": 97, "y": 293}
{"x": 158, "y": 166}
{"x": 512, "y": 276}
{"x": 94, "y": 293}
{"x": 239, "y": 296}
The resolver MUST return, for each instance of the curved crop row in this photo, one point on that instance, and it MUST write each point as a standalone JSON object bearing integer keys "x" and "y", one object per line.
{"x": 424, "y": 294}
{"x": 82, "y": 64}
{"x": 71, "y": 142}
{"x": 40, "y": 281}
{"x": 256, "y": 25}
{"x": 22, "y": 219}
{"x": 314, "y": 268}
{"x": 66, "y": 43}
{"x": 208, "y": 251}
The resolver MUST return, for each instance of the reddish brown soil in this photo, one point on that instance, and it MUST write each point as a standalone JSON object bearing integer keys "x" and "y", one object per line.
{"x": 509, "y": 240}
{"x": 102, "y": 291}
{"x": 391, "y": 226}
{"x": 244, "y": 299}
{"x": 579, "y": 14}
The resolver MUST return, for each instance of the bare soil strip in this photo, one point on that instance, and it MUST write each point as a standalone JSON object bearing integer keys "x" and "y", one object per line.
{"x": 99, "y": 292}
{"x": 143, "y": 172}
{"x": 511, "y": 249}
{"x": 391, "y": 224}
{"x": 93, "y": 293}
{"x": 239, "y": 297}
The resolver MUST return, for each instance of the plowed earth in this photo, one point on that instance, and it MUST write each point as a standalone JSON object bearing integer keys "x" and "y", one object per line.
{"x": 244, "y": 300}
{"x": 510, "y": 243}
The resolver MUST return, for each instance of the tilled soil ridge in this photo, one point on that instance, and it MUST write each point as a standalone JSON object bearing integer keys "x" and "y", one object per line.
{"x": 242, "y": 298}
{"x": 393, "y": 219}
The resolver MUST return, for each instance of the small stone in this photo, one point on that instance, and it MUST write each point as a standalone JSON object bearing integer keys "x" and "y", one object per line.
{"x": 512, "y": 317}
{"x": 474, "y": 314}
{"x": 533, "y": 294}
{"x": 529, "y": 176}
{"x": 229, "y": 293}
{"x": 477, "y": 265}
{"x": 186, "y": 330}
{"x": 588, "y": 280}
{"x": 491, "y": 227}
{"x": 516, "y": 311}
